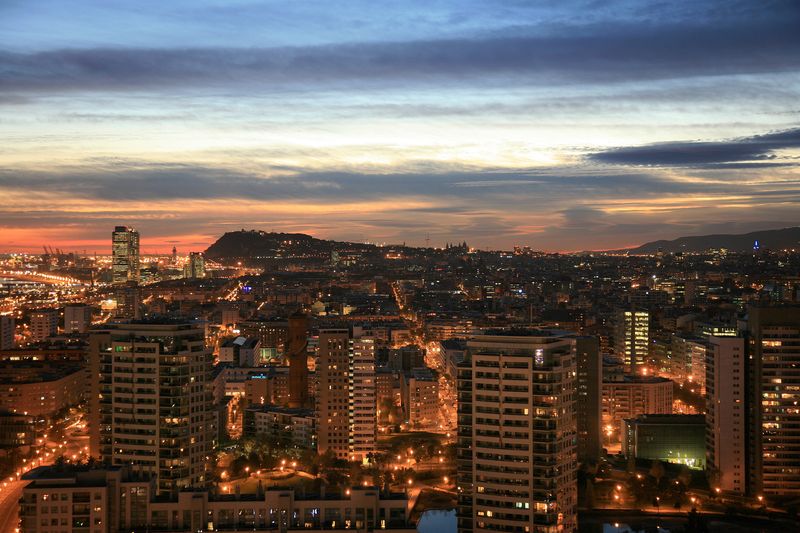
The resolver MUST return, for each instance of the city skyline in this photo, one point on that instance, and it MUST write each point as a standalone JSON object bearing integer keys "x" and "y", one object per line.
{"x": 577, "y": 126}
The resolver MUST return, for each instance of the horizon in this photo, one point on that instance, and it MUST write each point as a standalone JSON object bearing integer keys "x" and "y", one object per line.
{"x": 577, "y": 126}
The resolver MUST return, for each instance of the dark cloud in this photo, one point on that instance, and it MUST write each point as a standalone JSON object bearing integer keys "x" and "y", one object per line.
{"x": 123, "y": 180}
{"x": 618, "y": 53}
{"x": 754, "y": 152}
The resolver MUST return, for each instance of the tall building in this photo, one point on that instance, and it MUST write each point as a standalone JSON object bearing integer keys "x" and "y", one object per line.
{"x": 632, "y": 339}
{"x": 774, "y": 400}
{"x": 726, "y": 412}
{"x": 77, "y": 318}
{"x": 297, "y": 348}
{"x": 363, "y": 400}
{"x": 517, "y": 462}
{"x": 333, "y": 400}
{"x": 7, "y": 329}
{"x": 346, "y": 403}
{"x": 44, "y": 324}
{"x": 125, "y": 255}
{"x": 689, "y": 362}
{"x": 195, "y": 266}
{"x": 151, "y": 401}
{"x": 588, "y": 399}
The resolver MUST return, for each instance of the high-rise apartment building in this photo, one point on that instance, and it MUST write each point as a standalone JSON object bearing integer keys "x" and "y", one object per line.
{"x": 151, "y": 401}
{"x": 346, "y": 402}
{"x": 77, "y": 318}
{"x": 516, "y": 433}
{"x": 726, "y": 412}
{"x": 44, "y": 324}
{"x": 688, "y": 366}
{"x": 7, "y": 329}
{"x": 632, "y": 339}
{"x": 588, "y": 398}
{"x": 363, "y": 400}
{"x": 333, "y": 399}
{"x": 774, "y": 400}
{"x": 125, "y": 255}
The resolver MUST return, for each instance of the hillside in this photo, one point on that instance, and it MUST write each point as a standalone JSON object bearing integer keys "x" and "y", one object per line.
{"x": 249, "y": 244}
{"x": 777, "y": 239}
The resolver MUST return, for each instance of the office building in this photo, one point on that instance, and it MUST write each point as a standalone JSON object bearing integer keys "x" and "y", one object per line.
{"x": 632, "y": 339}
{"x": 7, "y": 331}
{"x": 195, "y": 267}
{"x": 516, "y": 453}
{"x": 44, "y": 324}
{"x": 151, "y": 401}
{"x": 679, "y": 439}
{"x": 77, "y": 318}
{"x": 774, "y": 400}
{"x": 125, "y": 255}
{"x": 588, "y": 397}
{"x": 726, "y": 412}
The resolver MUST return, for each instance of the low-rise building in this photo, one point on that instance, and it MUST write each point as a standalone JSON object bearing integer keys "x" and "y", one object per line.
{"x": 628, "y": 396}
{"x": 670, "y": 438}
{"x": 112, "y": 499}
{"x": 294, "y": 426}
{"x": 39, "y": 388}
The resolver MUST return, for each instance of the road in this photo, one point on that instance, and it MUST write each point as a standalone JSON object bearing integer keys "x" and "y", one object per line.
{"x": 11, "y": 488}
{"x": 10, "y": 492}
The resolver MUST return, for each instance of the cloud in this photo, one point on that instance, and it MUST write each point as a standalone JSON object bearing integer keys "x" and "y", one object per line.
{"x": 755, "y": 152}
{"x": 619, "y": 53}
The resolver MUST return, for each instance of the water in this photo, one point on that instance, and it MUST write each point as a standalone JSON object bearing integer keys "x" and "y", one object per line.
{"x": 438, "y": 521}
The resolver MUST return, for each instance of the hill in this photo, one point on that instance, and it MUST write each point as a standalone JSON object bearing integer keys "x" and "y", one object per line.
{"x": 776, "y": 239}
{"x": 251, "y": 244}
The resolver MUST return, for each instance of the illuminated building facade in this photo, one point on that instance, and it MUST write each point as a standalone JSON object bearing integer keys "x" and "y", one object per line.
{"x": 517, "y": 462}
{"x": 774, "y": 400}
{"x": 151, "y": 401}
{"x": 670, "y": 438}
{"x": 632, "y": 339}
{"x": 125, "y": 255}
{"x": 726, "y": 412}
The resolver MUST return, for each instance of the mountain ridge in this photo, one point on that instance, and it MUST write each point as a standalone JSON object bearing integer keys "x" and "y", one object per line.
{"x": 774, "y": 239}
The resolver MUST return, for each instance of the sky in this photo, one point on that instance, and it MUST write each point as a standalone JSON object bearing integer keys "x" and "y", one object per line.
{"x": 561, "y": 125}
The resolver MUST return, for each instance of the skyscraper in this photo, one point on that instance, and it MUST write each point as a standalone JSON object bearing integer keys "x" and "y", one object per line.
{"x": 632, "y": 339}
{"x": 125, "y": 255}
{"x": 516, "y": 443}
{"x": 774, "y": 400}
{"x": 725, "y": 412}
{"x": 195, "y": 266}
{"x": 151, "y": 401}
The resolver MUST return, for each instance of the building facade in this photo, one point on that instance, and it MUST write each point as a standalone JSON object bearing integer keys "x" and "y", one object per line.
{"x": 726, "y": 412}
{"x": 151, "y": 402}
{"x": 125, "y": 255}
{"x": 517, "y": 462}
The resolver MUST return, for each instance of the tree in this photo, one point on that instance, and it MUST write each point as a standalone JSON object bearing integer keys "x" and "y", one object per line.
{"x": 657, "y": 471}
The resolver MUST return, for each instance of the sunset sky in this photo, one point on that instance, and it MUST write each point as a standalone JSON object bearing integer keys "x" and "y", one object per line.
{"x": 561, "y": 125}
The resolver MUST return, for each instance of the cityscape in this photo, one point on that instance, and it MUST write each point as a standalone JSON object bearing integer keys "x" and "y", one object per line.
{"x": 446, "y": 267}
